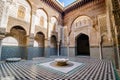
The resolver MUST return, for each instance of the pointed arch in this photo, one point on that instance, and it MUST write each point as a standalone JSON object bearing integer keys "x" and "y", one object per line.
{"x": 20, "y": 34}
{"x": 53, "y": 45}
{"x": 82, "y": 45}
{"x": 40, "y": 39}
{"x": 18, "y": 28}
{"x": 74, "y": 20}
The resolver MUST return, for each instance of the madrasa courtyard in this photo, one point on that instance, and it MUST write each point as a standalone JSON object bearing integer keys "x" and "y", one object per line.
{"x": 45, "y": 40}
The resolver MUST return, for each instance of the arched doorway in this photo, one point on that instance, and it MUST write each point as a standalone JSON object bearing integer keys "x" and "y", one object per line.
{"x": 10, "y": 48}
{"x": 39, "y": 44}
{"x": 82, "y": 45}
{"x": 20, "y": 34}
{"x": 53, "y": 45}
{"x": 40, "y": 37}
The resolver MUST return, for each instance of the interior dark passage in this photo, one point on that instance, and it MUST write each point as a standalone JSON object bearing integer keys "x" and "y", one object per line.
{"x": 82, "y": 45}
{"x": 53, "y": 45}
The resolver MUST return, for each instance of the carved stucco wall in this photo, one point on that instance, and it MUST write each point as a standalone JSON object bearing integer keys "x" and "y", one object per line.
{"x": 40, "y": 26}
{"x": 40, "y": 29}
{"x": 11, "y": 18}
{"x": 53, "y": 27}
{"x": 46, "y": 9}
{"x": 13, "y": 10}
{"x": 16, "y": 22}
{"x": 92, "y": 10}
{"x": 83, "y": 24}
{"x": 104, "y": 31}
{"x": 2, "y": 5}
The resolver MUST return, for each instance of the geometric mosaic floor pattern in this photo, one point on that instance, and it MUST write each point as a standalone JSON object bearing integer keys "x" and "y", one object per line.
{"x": 93, "y": 69}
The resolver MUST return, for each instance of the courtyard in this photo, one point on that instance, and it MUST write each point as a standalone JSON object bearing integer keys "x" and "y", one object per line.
{"x": 59, "y": 39}
{"x": 90, "y": 69}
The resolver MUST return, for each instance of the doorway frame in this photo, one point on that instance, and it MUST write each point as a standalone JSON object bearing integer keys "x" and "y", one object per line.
{"x": 76, "y": 44}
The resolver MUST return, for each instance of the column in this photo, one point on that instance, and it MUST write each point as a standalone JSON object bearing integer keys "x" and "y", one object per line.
{"x": 32, "y": 29}
{"x": 58, "y": 53}
{"x": 0, "y": 48}
{"x": 68, "y": 45}
{"x": 113, "y": 10}
{"x": 47, "y": 48}
{"x": 47, "y": 40}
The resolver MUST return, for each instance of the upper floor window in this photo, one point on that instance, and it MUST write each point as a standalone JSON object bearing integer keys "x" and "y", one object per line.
{"x": 21, "y": 12}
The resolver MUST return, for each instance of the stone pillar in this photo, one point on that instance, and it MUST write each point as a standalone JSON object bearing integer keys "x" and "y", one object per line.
{"x": 47, "y": 39}
{"x": 47, "y": 48}
{"x": 32, "y": 28}
{"x": 0, "y": 48}
{"x": 30, "y": 40}
{"x": 58, "y": 50}
{"x": 113, "y": 15}
{"x": 2, "y": 35}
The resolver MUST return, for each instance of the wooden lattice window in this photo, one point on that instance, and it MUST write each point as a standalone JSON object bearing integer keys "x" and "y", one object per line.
{"x": 21, "y": 12}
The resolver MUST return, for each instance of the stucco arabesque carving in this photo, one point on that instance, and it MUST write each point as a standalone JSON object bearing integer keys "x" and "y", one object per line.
{"x": 9, "y": 3}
